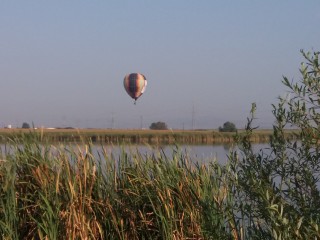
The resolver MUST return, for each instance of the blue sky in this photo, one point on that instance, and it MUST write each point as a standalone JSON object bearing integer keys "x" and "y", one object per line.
{"x": 62, "y": 63}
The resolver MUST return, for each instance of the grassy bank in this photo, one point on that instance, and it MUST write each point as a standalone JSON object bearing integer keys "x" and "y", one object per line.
{"x": 118, "y": 136}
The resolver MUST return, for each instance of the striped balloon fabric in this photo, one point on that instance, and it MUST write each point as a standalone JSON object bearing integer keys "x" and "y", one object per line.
{"x": 135, "y": 84}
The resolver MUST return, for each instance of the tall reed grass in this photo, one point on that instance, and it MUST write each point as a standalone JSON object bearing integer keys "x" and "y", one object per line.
{"x": 59, "y": 192}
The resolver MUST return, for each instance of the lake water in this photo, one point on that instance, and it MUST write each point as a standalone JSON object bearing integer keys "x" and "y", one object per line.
{"x": 201, "y": 153}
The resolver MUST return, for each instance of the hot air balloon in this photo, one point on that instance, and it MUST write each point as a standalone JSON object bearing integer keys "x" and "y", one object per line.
{"x": 135, "y": 84}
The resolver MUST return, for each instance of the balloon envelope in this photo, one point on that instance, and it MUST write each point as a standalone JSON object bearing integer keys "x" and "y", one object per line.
{"x": 135, "y": 84}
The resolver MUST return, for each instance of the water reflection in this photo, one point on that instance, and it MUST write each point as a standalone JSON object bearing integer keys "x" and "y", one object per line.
{"x": 199, "y": 153}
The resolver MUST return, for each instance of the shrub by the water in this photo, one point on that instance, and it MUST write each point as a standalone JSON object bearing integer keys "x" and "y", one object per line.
{"x": 278, "y": 188}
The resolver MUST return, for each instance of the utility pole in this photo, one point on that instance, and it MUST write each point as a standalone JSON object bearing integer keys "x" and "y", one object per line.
{"x": 141, "y": 122}
{"x": 193, "y": 117}
{"x": 112, "y": 120}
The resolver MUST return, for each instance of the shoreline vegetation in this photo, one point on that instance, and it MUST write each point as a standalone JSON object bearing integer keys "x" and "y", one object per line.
{"x": 52, "y": 192}
{"x": 142, "y": 136}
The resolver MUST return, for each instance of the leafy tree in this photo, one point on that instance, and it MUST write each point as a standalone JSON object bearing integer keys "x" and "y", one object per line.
{"x": 25, "y": 125}
{"x": 278, "y": 188}
{"x": 158, "y": 126}
{"x": 228, "y": 127}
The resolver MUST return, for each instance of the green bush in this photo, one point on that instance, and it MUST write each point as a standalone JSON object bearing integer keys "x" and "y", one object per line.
{"x": 278, "y": 187}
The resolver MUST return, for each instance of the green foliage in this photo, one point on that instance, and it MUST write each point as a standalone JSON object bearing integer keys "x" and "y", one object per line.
{"x": 228, "y": 127}
{"x": 278, "y": 187}
{"x": 159, "y": 126}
